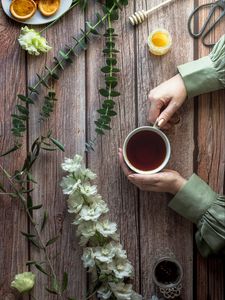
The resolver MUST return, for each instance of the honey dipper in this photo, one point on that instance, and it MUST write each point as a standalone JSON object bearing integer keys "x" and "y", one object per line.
{"x": 140, "y": 16}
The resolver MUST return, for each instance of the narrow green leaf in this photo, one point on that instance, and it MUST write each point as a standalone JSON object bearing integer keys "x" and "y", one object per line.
{"x": 27, "y": 235}
{"x": 51, "y": 291}
{"x": 30, "y": 262}
{"x": 58, "y": 144}
{"x": 14, "y": 148}
{"x": 44, "y": 220}
{"x": 51, "y": 241}
{"x": 35, "y": 207}
{"x": 35, "y": 243}
{"x": 64, "y": 282}
{"x": 39, "y": 267}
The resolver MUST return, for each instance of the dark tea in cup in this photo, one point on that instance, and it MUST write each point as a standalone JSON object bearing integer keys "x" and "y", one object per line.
{"x": 146, "y": 150}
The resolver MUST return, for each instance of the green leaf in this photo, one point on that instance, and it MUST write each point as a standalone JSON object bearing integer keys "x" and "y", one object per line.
{"x": 112, "y": 113}
{"x": 114, "y": 94}
{"x": 25, "y": 99}
{"x": 106, "y": 69}
{"x": 35, "y": 243}
{"x": 22, "y": 109}
{"x": 32, "y": 90}
{"x": 58, "y": 144}
{"x": 27, "y": 235}
{"x": 111, "y": 61}
{"x": 104, "y": 92}
{"x": 29, "y": 202}
{"x": 42, "y": 81}
{"x": 64, "y": 282}
{"x": 99, "y": 131}
{"x": 30, "y": 177}
{"x": 35, "y": 207}
{"x": 51, "y": 241}
{"x": 44, "y": 220}
{"x": 51, "y": 291}
{"x": 39, "y": 267}
{"x": 20, "y": 117}
{"x": 14, "y": 148}
{"x": 58, "y": 62}
{"x": 30, "y": 262}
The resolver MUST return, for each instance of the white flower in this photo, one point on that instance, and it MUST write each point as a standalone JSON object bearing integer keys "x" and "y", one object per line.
{"x": 121, "y": 268}
{"x": 121, "y": 290}
{"x": 87, "y": 229}
{"x": 106, "y": 228}
{"x": 83, "y": 241}
{"x": 72, "y": 165}
{"x": 103, "y": 292}
{"x": 32, "y": 41}
{"x": 88, "y": 190}
{"x": 88, "y": 258}
{"x": 92, "y": 212}
{"x": 69, "y": 185}
{"x": 75, "y": 203}
{"x": 120, "y": 252}
{"x": 87, "y": 173}
{"x": 24, "y": 282}
{"x": 105, "y": 254}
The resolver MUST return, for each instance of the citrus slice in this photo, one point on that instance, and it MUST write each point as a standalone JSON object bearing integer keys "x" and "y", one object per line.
{"x": 48, "y": 7}
{"x": 23, "y": 9}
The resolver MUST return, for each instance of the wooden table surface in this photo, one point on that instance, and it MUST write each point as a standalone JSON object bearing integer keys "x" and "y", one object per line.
{"x": 148, "y": 227}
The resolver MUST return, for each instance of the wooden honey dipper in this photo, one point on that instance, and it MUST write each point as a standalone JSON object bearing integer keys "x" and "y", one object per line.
{"x": 140, "y": 16}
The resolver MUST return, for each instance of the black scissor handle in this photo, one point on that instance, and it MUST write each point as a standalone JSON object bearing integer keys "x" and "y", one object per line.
{"x": 205, "y": 34}
{"x": 211, "y": 12}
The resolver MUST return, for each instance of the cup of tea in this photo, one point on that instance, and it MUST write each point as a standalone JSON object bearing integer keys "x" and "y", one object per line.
{"x": 146, "y": 150}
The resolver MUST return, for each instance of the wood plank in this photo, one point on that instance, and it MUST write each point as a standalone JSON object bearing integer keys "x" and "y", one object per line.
{"x": 13, "y": 247}
{"x": 163, "y": 231}
{"x": 68, "y": 125}
{"x": 211, "y": 153}
{"x": 115, "y": 188}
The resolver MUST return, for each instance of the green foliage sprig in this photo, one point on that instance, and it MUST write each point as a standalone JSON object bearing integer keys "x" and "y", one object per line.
{"x": 110, "y": 70}
{"x": 20, "y": 183}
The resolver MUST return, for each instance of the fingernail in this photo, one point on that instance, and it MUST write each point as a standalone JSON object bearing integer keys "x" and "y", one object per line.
{"x": 161, "y": 122}
{"x": 131, "y": 176}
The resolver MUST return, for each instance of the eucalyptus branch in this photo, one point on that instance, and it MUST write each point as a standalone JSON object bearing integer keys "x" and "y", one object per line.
{"x": 19, "y": 119}
{"x": 110, "y": 71}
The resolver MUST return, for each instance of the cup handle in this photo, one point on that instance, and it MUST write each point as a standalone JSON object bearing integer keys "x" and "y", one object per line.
{"x": 155, "y": 125}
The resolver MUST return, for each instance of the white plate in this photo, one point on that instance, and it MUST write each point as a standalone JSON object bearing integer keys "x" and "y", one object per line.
{"x": 38, "y": 18}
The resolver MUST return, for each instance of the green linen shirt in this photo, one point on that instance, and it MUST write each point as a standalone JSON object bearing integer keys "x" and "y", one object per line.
{"x": 196, "y": 201}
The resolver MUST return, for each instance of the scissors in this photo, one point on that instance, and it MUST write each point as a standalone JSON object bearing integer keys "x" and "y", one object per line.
{"x": 203, "y": 33}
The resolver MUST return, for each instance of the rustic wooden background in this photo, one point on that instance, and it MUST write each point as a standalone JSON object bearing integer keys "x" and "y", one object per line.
{"x": 147, "y": 225}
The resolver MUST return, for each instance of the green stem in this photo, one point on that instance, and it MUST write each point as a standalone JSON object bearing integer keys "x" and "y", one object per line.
{"x": 74, "y": 47}
{"x": 56, "y": 20}
{"x": 24, "y": 201}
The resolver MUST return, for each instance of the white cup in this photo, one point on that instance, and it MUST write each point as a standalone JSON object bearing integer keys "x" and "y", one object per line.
{"x": 164, "y": 138}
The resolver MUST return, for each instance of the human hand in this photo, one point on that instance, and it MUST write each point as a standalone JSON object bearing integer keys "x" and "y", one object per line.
{"x": 167, "y": 181}
{"x": 165, "y": 100}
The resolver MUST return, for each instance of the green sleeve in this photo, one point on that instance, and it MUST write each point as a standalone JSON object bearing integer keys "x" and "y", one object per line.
{"x": 197, "y": 202}
{"x": 206, "y": 74}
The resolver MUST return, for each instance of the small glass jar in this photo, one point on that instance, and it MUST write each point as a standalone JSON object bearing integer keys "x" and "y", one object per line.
{"x": 167, "y": 276}
{"x": 159, "y": 41}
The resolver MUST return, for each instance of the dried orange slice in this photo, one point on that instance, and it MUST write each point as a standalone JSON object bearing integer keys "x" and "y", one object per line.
{"x": 48, "y": 7}
{"x": 23, "y": 9}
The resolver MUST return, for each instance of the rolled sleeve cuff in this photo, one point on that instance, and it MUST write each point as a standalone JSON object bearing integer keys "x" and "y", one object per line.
{"x": 200, "y": 77}
{"x": 193, "y": 200}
